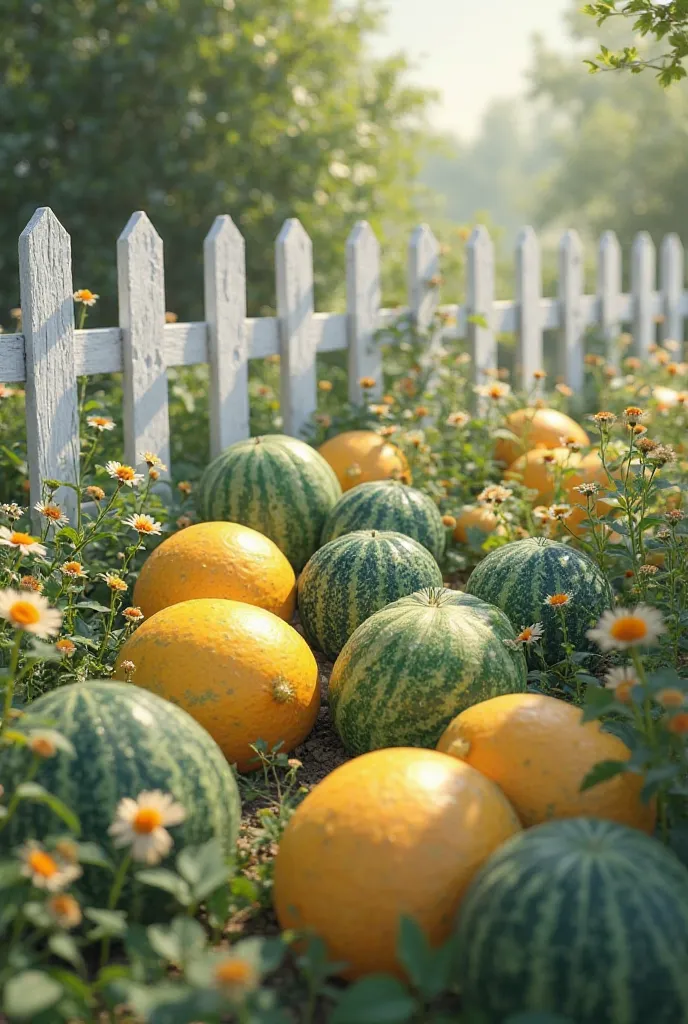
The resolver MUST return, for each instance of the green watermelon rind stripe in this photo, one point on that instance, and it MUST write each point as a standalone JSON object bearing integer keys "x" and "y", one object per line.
{"x": 120, "y": 755}
{"x": 388, "y": 505}
{"x": 275, "y": 484}
{"x": 519, "y": 576}
{"x": 352, "y": 577}
{"x": 583, "y": 918}
{"x": 409, "y": 669}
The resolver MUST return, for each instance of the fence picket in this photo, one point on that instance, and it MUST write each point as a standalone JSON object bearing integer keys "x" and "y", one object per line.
{"x": 528, "y": 298}
{"x": 363, "y": 309}
{"x": 224, "y": 278}
{"x": 52, "y": 415}
{"x": 571, "y": 363}
{"x": 141, "y": 287}
{"x": 480, "y": 296}
{"x": 50, "y": 353}
{"x": 608, "y": 292}
{"x": 643, "y": 278}
{"x": 671, "y": 275}
{"x": 294, "y": 270}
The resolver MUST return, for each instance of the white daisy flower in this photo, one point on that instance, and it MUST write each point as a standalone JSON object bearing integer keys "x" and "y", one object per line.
{"x": 621, "y": 680}
{"x": 52, "y": 512}
{"x": 124, "y": 475}
{"x": 142, "y": 825}
{"x": 143, "y": 524}
{"x": 27, "y": 610}
{"x": 627, "y": 627}
{"x": 45, "y": 870}
{"x": 27, "y": 544}
{"x": 100, "y": 423}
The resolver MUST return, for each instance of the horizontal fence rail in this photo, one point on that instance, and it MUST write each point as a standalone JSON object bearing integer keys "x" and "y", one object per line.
{"x": 50, "y": 355}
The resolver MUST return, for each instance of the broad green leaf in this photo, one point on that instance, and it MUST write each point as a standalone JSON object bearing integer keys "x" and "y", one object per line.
{"x": 603, "y": 771}
{"x": 65, "y": 947}
{"x": 168, "y": 881}
{"x": 30, "y": 993}
{"x": 377, "y": 999}
{"x": 178, "y": 941}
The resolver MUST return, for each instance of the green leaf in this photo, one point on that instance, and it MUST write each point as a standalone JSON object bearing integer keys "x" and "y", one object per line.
{"x": 93, "y": 606}
{"x": 598, "y": 701}
{"x": 30, "y": 993}
{"x": 414, "y": 951}
{"x": 168, "y": 881}
{"x": 41, "y": 651}
{"x": 10, "y": 873}
{"x": 377, "y": 999}
{"x": 65, "y": 947}
{"x": 602, "y": 772}
{"x": 109, "y": 923}
{"x": 38, "y": 794}
{"x": 67, "y": 533}
{"x": 94, "y": 855}
{"x": 204, "y": 868}
{"x": 178, "y": 941}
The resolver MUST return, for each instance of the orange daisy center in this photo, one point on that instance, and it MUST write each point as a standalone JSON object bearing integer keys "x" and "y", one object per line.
{"x": 52, "y": 512}
{"x": 74, "y": 567}
{"x": 629, "y": 628}
{"x": 42, "y": 746}
{"x": 85, "y": 294}
{"x": 146, "y": 820}
{"x": 559, "y": 599}
{"x": 623, "y": 691}
{"x": 22, "y": 538}
{"x": 23, "y": 613}
{"x": 125, "y": 473}
{"x": 233, "y": 972}
{"x": 143, "y": 526}
{"x": 679, "y": 723}
{"x": 100, "y": 421}
{"x": 525, "y": 634}
{"x": 41, "y": 863}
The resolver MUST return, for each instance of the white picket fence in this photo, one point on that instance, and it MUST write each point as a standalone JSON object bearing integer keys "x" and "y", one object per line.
{"x": 50, "y": 355}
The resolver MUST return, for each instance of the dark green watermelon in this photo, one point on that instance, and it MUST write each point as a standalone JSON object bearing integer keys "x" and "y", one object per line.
{"x": 352, "y": 577}
{"x": 412, "y": 667}
{"x": 519, "y": 577}
{"x": 581, "y": 917}
{"x": 388, "y": 505}
{"x": 127, "y": 741}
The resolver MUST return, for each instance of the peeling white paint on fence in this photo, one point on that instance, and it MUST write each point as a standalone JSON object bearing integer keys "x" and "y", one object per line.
{"x": 50, "y": 355}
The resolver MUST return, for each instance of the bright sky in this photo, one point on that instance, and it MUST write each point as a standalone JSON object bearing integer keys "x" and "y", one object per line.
{"x": 471, "y": 50}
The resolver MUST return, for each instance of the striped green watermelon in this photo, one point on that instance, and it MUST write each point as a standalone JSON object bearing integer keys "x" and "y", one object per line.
{"x": 275, "y": 484}
{"x": 127, "y": 741}
{"x": 388, "y": 505}
{"x": 412, "y": 667}
{"x": 355, "y": 575}
{"x": 518, "y": 578}
{"x": 582, "y": 918}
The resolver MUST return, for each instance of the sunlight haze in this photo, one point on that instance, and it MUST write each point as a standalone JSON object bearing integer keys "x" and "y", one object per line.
{"x": 472, "y": 51}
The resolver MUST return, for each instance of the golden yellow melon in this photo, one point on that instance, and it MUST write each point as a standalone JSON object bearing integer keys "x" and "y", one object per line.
{"x": 395, "y": 832}
{"x": 538, "y": 752}
{"x": 537, "y": 428}
{"x": 225, "y": 560}
{"x": 243, "y": 673}
{"x": 359, "y": 456}
{"x": 474, "y": 517}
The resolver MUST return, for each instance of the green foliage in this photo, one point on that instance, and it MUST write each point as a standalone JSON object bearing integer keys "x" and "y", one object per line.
{"x": 666, "y": 22}
{"x": 190, "y": 108}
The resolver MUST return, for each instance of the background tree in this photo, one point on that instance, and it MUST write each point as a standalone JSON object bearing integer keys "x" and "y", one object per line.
{"x": 264, "y": 109}
{"x": 620, "y": 158}
{"x": 665, "y": 20}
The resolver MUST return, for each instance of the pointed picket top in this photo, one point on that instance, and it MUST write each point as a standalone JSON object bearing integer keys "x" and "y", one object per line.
{"x": 672, "y": 270}
{"x": 423, "y": 275}
{"x": 363, "y": 293}
{"x": 528, "y": 299}
{"x": 52, "y": 419}
{"x": 141, "y": 288}
{"x": 643, "y": 283}
{"x": 609, "y": 293}
{"x": 571, "y": 279}
{"x": 224, "y": 277}
{"x": 295, "y": 304}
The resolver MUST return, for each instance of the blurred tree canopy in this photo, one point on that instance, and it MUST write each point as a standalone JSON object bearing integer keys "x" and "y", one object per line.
{"x": 264, "y": 109}
{"x": 620, "y": 156}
